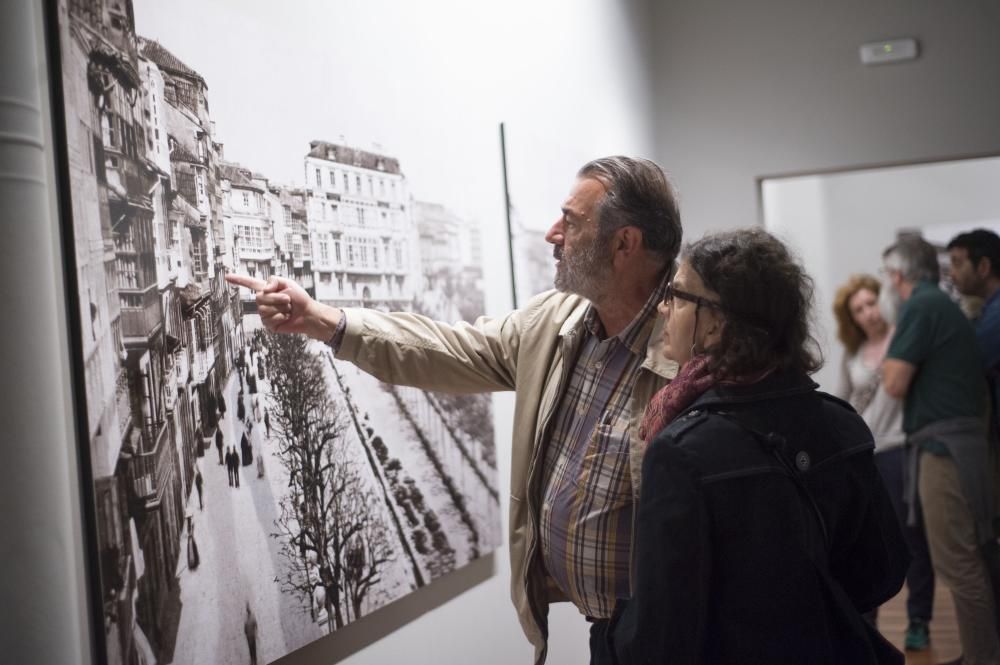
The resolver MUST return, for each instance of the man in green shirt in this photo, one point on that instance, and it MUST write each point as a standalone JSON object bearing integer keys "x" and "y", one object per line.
{"x": 933, "y": 365}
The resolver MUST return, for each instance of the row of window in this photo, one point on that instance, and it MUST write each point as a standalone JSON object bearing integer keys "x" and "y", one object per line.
{"x": 362, "y": 253}
{"x": 357, "y": 185}
{"x": 250, "y": 238}
{"x": 393, "y": 286}
{"x": 256, "y": 197}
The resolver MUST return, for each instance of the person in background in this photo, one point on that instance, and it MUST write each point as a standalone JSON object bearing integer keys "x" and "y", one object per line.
{"x": 865, "y": 334}
{"x": 763, "y": 529}
{"x": 975, "y": 270}
{"x": 583, "y": 362}
{"x": 933, "y": 365}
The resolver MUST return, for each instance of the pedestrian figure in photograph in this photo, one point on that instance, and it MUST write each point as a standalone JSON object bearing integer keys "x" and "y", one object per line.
{"x": 250, "y": 630}
{"x": 584, "y": 359}
{"x": 763, "y": 528}
{"x": 219, "y": 441}
{"x": 198, "y": 482}
{"x": 935, "y": 367}
{"x": 267, "y": 423}
{"x": 193, "y": 558}
{"x": 246, "y": 450}
{"x": 229, "y": 465}
{"x": 233, "y": 467}
{"x": 222, "y": 405}
{"x": 260, "y": 465}
{"x": 236, "y": 468}
{"x": 241, "y": 409}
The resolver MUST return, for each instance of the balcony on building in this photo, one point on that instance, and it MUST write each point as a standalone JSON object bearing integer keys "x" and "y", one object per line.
{"x": 148, "y": 463}
{"x": 141, "y": 313}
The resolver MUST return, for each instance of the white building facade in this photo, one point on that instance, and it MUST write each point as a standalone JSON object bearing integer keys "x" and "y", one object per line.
{"x": 364, "y": 241}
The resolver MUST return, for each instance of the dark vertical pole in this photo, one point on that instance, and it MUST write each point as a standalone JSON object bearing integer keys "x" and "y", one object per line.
{"x": 510, "y": 230}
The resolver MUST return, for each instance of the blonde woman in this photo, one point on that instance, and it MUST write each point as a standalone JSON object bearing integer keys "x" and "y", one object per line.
{"x": 865, "y": 335}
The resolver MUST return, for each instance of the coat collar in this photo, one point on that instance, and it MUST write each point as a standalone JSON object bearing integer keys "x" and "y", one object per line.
{"x": 774, "y": 385}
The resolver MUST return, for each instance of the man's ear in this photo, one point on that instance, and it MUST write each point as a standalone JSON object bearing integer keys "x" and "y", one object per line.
{"x": 627, "y": 241}
{"x": 984, "y": 267}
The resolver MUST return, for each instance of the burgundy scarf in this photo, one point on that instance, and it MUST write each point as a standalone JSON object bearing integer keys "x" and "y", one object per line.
{"x": 689, "y": 384}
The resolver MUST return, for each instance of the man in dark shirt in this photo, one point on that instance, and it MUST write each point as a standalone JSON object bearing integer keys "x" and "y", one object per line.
{"x": 975, "y": 269}
{"x": 933, "y": 365}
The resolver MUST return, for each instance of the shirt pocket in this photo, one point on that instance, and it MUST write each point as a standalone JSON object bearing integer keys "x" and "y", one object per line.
{"x": 605, "y": 475}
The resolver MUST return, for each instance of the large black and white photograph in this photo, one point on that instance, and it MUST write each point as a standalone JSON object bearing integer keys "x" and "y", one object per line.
{"x": 252, "y": 493}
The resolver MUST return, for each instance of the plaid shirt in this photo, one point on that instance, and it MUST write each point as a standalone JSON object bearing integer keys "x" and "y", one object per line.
{"x": 586, "y": 511}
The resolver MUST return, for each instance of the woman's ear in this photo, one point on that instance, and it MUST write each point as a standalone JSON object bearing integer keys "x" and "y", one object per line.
{"x": 713, "y": 332}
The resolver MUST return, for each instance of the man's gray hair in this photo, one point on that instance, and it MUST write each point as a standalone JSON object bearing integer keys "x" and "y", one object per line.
{"x": 914, "y": 258}
{"x": 640, "y": 195}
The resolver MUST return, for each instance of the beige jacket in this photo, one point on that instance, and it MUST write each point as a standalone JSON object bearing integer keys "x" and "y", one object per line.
{"x": 526, "y": 351}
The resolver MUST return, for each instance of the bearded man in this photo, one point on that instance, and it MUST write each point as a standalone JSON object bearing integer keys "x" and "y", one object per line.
{"x": 583, "y": 360}
{"x": 934, "y": 366}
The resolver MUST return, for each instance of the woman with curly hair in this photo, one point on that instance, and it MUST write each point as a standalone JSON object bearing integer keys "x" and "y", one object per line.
{"x": 763, "y": 531}
{"x": 865, "y": 334}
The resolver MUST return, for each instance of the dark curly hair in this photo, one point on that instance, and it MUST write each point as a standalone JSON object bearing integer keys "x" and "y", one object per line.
{"x": 765, "y": 296}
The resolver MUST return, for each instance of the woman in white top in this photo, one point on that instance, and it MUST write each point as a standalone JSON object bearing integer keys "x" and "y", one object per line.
{"x": 865, "y": 335}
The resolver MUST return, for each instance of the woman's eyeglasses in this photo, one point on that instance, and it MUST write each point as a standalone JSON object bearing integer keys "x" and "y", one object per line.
{"x": 673, "y": 293}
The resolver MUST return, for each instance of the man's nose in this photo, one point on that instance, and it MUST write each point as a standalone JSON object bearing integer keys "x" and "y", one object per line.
{"x": 555, "y": 234}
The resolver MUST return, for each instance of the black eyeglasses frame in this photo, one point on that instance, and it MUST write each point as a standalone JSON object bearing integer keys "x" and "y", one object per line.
{"x": 673, "y": 292}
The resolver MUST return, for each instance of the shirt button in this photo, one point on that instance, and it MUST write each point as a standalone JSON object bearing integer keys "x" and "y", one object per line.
{"x": 598, "y": 364}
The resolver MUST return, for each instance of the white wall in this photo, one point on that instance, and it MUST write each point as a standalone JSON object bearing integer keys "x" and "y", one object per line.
{"x": 746, "y": 89}
{"x": 574, "y": 70}
{"x": 840, "y": 223}
{"x": 41, "y": 560}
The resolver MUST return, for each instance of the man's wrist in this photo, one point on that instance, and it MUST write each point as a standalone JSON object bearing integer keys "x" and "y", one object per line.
{"x": 324, "y": 321}
{"x": 338, "y": 334}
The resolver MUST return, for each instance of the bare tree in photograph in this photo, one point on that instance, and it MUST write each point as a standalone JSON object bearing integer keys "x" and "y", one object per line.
{"x": 329, "y": 525}
{"x": 367, "y": 553}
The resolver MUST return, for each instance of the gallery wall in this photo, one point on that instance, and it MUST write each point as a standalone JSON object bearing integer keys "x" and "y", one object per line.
{"x": 776, "y": 86}
{"x": 573, "y": 71}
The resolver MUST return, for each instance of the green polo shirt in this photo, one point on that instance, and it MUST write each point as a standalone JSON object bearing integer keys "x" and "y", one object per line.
{"x": 933, "y": 335}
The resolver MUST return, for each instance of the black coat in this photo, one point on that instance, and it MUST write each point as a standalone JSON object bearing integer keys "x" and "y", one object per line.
{"x": 732, "y": 564}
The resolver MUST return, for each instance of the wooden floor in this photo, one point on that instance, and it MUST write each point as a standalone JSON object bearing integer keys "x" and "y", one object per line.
{"x": 944, "y": 631}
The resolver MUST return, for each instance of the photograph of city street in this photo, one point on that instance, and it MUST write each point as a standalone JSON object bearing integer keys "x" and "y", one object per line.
{"x": 252, "y": 494}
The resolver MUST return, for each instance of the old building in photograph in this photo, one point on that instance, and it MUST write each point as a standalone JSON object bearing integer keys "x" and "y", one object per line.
{"x": 450, "y": 263}
{"x": 145, "y": 162}
{"x": 361, "y": 226}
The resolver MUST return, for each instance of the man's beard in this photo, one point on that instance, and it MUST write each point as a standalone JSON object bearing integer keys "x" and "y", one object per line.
{"x": 585, "y": 272}
{"x": 889, "y": 302}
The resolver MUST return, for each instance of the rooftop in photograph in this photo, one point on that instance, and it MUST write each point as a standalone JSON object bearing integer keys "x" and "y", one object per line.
{"x": 164, "y": 59}
{"x": 343, "y": 154}
{"x": 239, "y": 176}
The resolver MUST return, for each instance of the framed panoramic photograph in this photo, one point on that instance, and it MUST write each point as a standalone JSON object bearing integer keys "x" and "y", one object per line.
{"x": 247, "y": 493}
